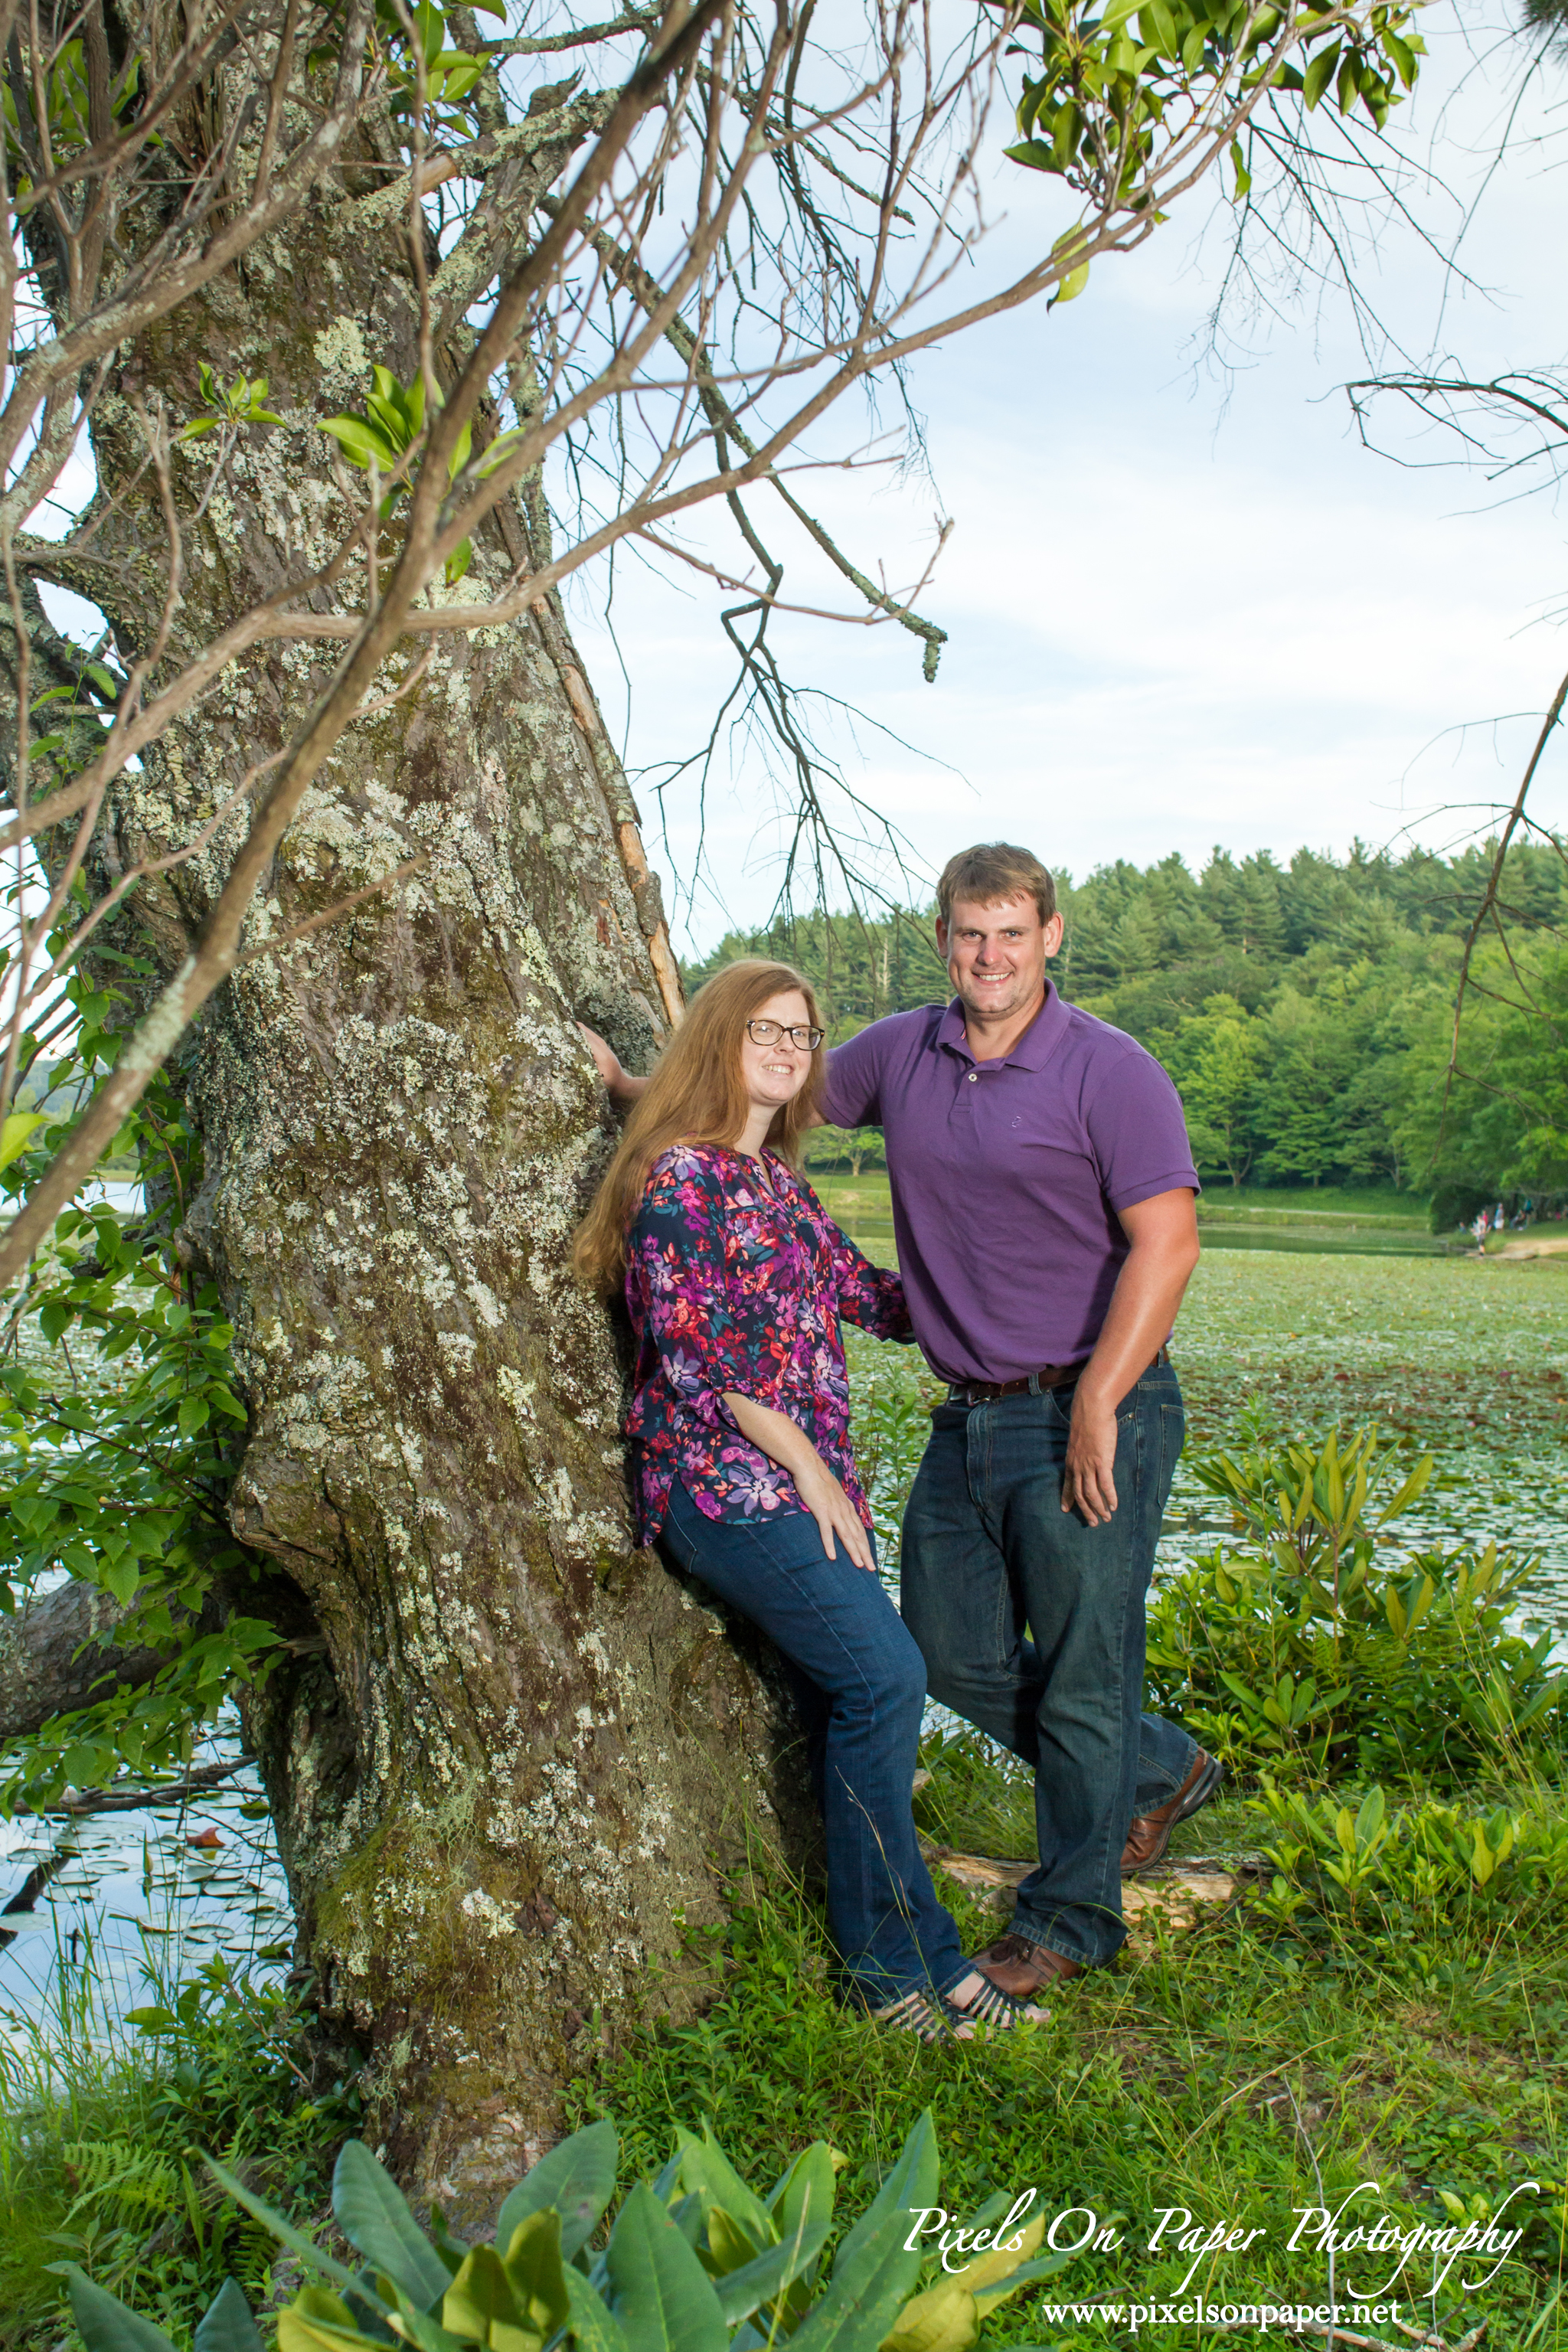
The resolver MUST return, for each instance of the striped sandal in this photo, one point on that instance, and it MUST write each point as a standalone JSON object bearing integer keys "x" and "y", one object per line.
{"x": 989, "y": 2005}
{"x": 928, "y": 2016}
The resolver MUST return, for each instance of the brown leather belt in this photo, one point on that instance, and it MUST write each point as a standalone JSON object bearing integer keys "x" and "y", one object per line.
{"x": 1049, "y": 1376}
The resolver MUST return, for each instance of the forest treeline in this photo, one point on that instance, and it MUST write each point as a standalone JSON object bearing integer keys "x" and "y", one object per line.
{"x": 1305, "y": 1010}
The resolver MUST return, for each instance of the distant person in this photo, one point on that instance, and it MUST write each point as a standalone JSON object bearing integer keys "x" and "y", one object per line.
{"x": 1043, "y": 1196}
{"x": 735, "y": 1279}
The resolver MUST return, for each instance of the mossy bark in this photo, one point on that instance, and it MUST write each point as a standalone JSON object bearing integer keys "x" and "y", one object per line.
{"x": 508, "y": 1755}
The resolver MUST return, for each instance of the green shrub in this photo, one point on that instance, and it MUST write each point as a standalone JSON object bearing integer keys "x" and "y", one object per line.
{"x": 98, "y": 2118}
{"x": 694, "y": 2262}
{"x": 1426, "y": 1866}
{"x": 1322, "y": 1641}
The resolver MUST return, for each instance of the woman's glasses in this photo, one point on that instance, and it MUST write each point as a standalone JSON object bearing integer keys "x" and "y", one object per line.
{"x": 768, "y": 1032}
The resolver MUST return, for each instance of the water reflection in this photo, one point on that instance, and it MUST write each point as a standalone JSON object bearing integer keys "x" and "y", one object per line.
{"x": 160, "y": 1888}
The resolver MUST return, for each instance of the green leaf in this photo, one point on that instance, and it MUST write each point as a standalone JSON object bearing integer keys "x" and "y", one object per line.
{"x": 295, "y": 2240}
{"x": 457, "y": 562}
{"x": 706, "y": 2170}
{"x": 1026, "y": 2275}
{"x": 578, "y": 2178}
{"x": 57, "y": 1316}
{"x": 1369, "y": 1820}
{"x": 801, "y": 2210}
{"x": 798, "y": 2186}
{"x": 120, "y": 1578}
{"x": 594, "y": 2328}
{"x": 317, "y": 2321}
{"x": 480, "y": 2300}
{"x": 659, "y": 2290}
{"x": 1159, "y": 28}
{"x": 360, "y": 440}
{"x": 535, "y": 2274}
{"x": 430, "y": 26}
{"x": 1314, "y": 83}
{"x": 17, "y": 1127}
{"x": 228, "y": 2326}
{"x": 744, "y": 2290}
{"x": 375, "y": 2217}
{"x": 458, "y": 79}
{"x": 106, "y": 2325}
{"x": 499, "y": 451}
{"x": 942, "y": 2320}
{"x": 1403, "y": 55}
{"x": 873, "y": 2270}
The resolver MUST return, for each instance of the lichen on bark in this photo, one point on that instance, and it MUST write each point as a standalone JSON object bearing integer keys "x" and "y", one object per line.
{"x": 508, "y": 1756}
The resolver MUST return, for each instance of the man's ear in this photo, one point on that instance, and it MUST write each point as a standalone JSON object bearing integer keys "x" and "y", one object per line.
{"x": 1054, "y": 931}
{"x": 941, "y": 939}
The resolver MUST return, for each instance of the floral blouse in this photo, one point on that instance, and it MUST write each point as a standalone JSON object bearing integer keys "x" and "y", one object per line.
{"x": 733, "y": 1287}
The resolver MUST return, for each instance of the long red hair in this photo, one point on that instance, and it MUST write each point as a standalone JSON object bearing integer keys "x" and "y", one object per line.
{"x": 696, "y": 1095}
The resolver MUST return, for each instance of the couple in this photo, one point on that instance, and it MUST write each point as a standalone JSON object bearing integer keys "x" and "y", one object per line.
{"x": 1044, "y": 1209}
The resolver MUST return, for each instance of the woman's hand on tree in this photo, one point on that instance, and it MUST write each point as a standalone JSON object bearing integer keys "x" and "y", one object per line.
{"x": 623, "y": 1087}
{"x": 606, "y": 1059}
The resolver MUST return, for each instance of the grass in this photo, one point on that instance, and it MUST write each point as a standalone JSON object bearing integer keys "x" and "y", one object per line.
{"x": 1240, "y": 2072}
{"x": 100, "y": 2129}
{"x": 1227, "y": 2072}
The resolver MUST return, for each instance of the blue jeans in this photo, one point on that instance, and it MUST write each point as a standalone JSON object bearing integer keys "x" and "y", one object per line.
{"x": 988, "y": 1552}
{"x": 860, "y": 1683}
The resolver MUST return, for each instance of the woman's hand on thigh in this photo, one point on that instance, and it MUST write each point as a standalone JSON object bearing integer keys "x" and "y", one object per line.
{"x": 835, "y": 1514}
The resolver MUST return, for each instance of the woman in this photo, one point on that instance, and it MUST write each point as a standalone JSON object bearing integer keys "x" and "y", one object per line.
{"x": 735, "y": 1280}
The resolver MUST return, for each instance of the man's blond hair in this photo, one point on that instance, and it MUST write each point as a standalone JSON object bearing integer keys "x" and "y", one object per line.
{"x": 992, "y": 871}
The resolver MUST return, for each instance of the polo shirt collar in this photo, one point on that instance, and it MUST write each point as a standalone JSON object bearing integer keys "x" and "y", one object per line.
{"x": 1033, "y": 1048}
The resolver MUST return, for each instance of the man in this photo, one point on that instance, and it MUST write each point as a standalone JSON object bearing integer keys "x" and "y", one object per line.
{"x": 1044, "y": 1209}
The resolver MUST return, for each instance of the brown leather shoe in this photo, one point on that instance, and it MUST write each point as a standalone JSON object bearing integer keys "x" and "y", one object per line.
{"x": 1150, "y": 1832}
{"x": 1021, "y": 1968}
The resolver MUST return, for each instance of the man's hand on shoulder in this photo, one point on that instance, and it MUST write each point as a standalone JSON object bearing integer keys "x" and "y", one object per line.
{"x": 623, "y": 1085}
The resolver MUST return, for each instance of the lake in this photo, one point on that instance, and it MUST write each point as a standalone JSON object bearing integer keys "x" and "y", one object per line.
{"x": 136, "y": 1896}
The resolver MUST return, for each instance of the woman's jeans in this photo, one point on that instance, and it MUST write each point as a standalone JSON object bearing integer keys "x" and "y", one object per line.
{"x": 988, "y": 1552}
{"x": 860, "y": 1682}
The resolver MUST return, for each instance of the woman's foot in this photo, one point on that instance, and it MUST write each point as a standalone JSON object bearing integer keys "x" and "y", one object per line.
{"x": 925, "y": 2016}
{"x": 983, "y": 2001}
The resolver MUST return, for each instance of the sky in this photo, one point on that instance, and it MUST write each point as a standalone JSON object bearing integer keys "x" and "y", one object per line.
{"x": 1185, "y": 606}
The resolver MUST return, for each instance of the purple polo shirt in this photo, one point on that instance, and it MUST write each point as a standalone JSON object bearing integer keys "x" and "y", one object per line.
{"x": 1006, "y": 1176}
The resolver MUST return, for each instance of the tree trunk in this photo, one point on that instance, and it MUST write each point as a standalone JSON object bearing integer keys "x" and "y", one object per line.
{"x": 508, "y": 1756}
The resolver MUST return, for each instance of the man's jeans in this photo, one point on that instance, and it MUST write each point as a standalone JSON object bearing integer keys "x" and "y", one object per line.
{"x": 988, "y": 1551}
{"x": 860, "y": 1684}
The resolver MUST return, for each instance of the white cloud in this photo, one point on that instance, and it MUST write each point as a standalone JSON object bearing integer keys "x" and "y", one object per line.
{"x": 1174, "y": 619}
